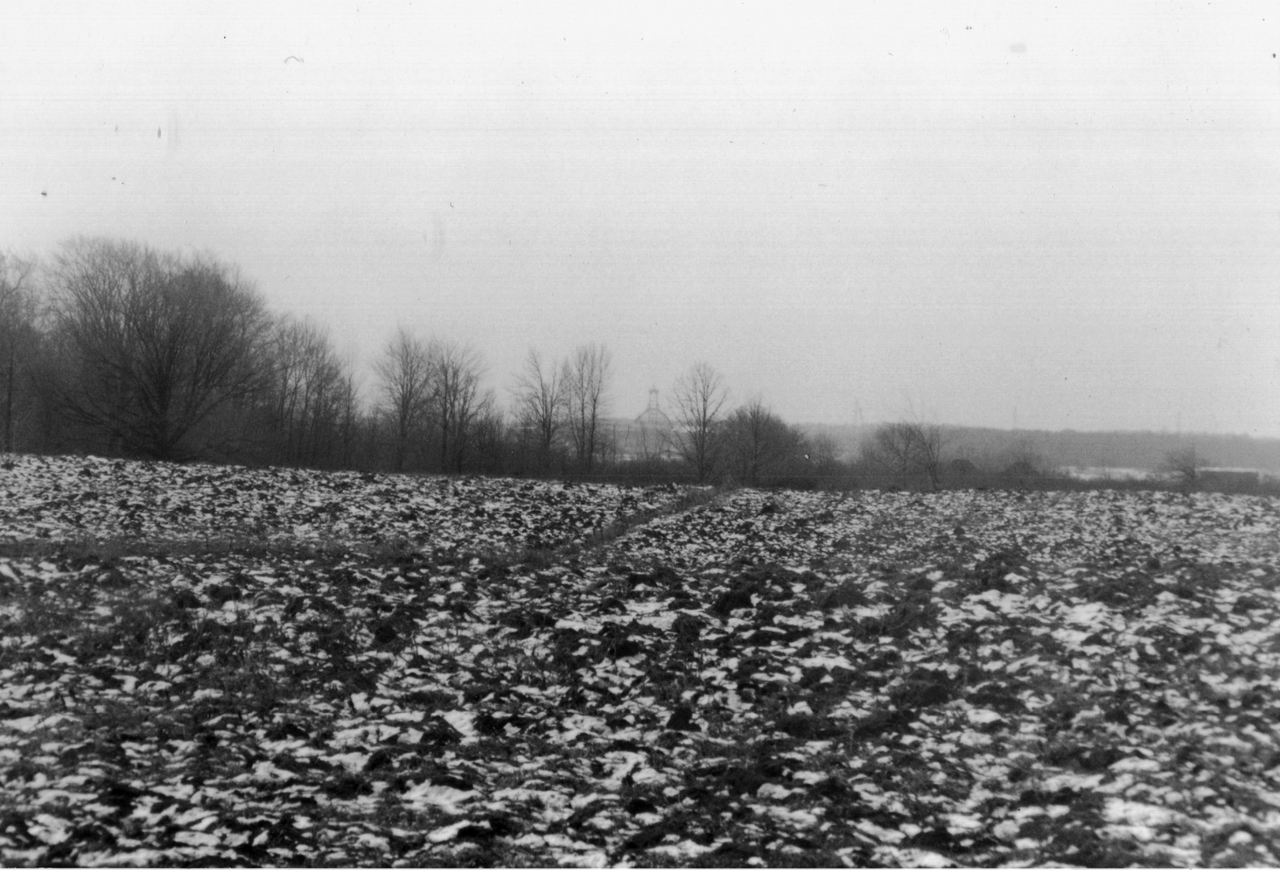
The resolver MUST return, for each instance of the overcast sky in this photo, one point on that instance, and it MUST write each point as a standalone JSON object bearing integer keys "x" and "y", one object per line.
{"x": 1042, "y": 215}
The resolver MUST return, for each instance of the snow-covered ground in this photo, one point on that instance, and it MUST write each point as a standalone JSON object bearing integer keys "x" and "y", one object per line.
{"x": 1104, "y": 473}
{"x": 89, "y": 498}
{"x": 962, "y": 678}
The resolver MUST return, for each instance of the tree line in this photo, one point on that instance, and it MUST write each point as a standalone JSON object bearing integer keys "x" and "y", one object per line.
{"x": 115, "y": 348}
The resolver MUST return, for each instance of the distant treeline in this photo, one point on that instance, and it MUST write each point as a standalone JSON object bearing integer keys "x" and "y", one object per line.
{"x": 1150, "y": 450}
{"x": 117, "y": 349}
{"x": 1049, "y": 451}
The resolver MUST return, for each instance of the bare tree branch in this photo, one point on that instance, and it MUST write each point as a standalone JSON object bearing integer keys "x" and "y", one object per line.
{"x": 586, "y": 377}
{"x": 758, "y": 442}
{"x": 700, "y": 395}
{"x": 540, "y": 399}
{"x": 18, "y": 333}
{"x": 160, "y": 342}
{"x": 404, "y": 373}
{"x": 455, "y": 400}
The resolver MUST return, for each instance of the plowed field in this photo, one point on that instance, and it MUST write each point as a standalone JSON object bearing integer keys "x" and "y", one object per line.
{"x": 219, "y": 666}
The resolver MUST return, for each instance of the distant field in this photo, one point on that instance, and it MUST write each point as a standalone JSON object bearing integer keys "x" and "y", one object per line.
{"x": 203, "y": 665}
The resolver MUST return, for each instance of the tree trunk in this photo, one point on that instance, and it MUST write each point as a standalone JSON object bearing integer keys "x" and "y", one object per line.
{"x": 8, "y": 405}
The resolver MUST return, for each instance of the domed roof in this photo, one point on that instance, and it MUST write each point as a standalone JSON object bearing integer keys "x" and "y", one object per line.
{"x": 653, "y": 417}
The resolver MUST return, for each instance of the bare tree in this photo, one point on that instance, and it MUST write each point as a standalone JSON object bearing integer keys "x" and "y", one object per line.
{"x": 160, "y": 342}
{"x": 540, "y": 404}
{"x": 404, "y": 374}
{"x": 18, "y": 333}
{"x": 906, "y": 447}
{"x": 586, "y": 378}
{"x": 1024, "y": 459}
{"x": 891, "y": 449}
{"x": 929, "y": 442}
{"x": 758, "y": 442}
{"x": 490, "y": 437}
{"x": 348, "y": 418}
{"x": 310, "y": 392}
{"x": 455, "y": 399}
{"x": 1184, "y": 465}
{"x": 700, "y": 395}
{"x": 824, "y": 455}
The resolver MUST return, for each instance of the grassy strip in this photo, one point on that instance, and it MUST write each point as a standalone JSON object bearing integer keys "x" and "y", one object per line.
{"x": 689, "y": 499}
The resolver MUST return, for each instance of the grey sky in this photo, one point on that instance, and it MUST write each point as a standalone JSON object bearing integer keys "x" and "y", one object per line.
{"x": 974, "y": 213}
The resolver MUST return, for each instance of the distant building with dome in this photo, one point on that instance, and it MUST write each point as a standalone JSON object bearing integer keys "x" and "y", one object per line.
{"x": 648, "y": 436}
{"x": 653, "y": 416}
